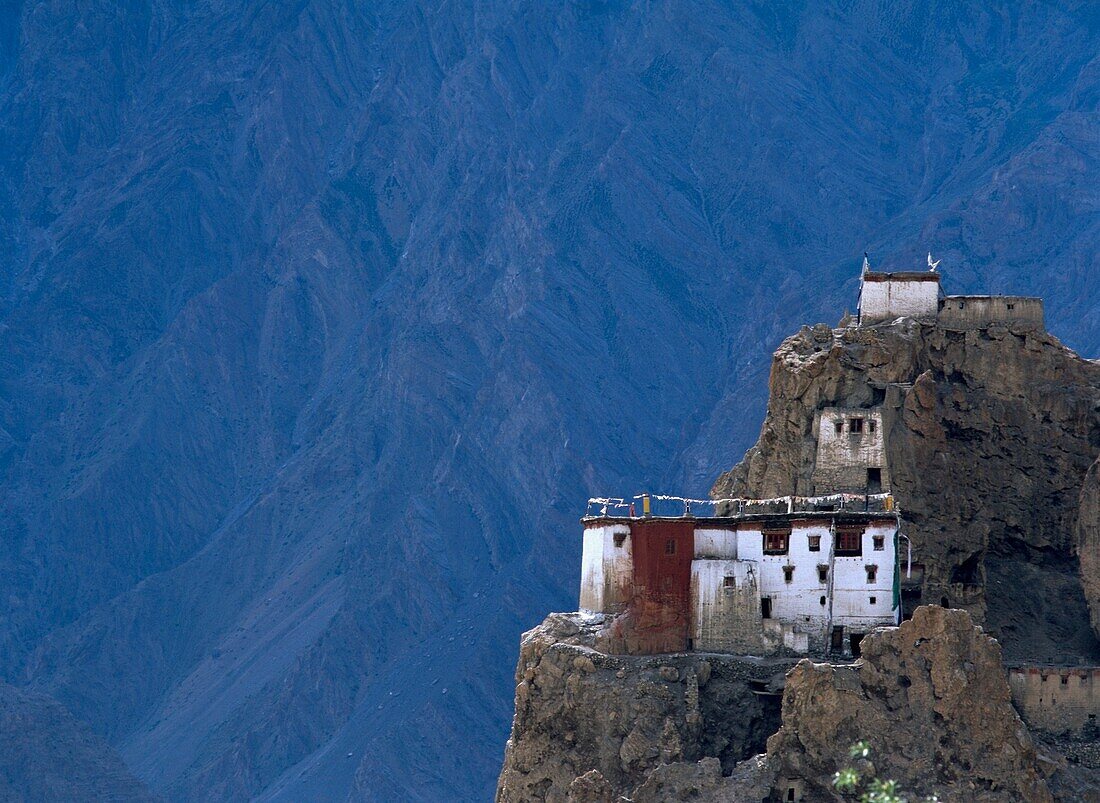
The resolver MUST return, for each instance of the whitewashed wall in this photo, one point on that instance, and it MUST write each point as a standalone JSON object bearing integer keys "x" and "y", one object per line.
{"x": 885, "y": 301}
{"x": 715, "y": 543}
{"x": 725, "y": 617}
{"x": 607, "y": 570}
{"x": 852, "y": 606}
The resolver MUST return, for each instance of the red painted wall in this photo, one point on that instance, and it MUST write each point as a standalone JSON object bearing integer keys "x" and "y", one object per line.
{"x": 657, "y": 618}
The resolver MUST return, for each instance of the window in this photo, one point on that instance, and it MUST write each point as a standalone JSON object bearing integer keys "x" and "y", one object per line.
{"x": 839, "y": 427}
{"x": 874, "y": 480}
{"x": 765, "y": 607}
{"x": 872, "y": 572}
{"x": 777, "y": 540}
{"x": 822, "y": 600}
{"x": 873, "y": 600}
{"x": 879, "y": 542}
{"x": 619, "y": 539}
{"x": 1012, "y": 306}
{"x": 855, "y": 426}
{"x": 729, "y": 582}
{"x": 871, "y": 425}
{"x": 814, "y": 543}
{"x": 822, "y": 574}
{"x": 788, "y": 574}
{"x": 670, "y": 546}
{"x": 849, "y": 540}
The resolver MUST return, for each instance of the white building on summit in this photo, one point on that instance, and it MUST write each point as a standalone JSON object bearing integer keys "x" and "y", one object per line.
{"x": 887, "y": 296}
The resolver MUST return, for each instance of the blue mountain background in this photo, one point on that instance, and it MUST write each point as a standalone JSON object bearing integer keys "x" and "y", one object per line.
{"x": 320, "y": 321}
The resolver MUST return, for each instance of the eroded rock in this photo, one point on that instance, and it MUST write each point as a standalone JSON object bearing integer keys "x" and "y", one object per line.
{"x": 932, "y": 700}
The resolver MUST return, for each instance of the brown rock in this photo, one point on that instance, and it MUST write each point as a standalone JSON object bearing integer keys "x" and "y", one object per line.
{"x": 591, "y": 787}
{"x": 931, "y": 698}
{"x": 624, "y": 717}
{"x": 989, "y": 434}
{"x": 1088, "y": 542}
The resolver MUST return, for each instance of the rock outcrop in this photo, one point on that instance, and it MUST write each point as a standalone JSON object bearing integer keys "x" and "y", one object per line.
{"x": 989, "y": 434}
{"x": 931, "y": 698}
{"x": 1088, "y": 542}
{"x": 589, "y": 725}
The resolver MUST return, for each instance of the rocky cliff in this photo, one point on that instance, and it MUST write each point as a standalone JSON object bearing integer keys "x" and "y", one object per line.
{"x": 931, "y": 697}
{"x": 989, "y": 434}
{"x": 579, "y": 711}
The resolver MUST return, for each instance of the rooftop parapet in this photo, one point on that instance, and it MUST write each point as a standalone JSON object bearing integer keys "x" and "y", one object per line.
{"x": 661, "y": 506}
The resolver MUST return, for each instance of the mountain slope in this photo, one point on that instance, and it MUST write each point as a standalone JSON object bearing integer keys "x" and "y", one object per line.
{"x": 319, "y": 324}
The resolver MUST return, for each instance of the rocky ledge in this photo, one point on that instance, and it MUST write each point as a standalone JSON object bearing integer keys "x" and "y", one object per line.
{"x": 930, "y": 697}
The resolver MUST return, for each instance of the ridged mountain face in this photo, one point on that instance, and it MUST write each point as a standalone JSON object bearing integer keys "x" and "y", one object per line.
{"x": 320, "y": 321}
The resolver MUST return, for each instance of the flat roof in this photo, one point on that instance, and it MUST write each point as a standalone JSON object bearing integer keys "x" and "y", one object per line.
{"x": 988, "y": 297}
{"x": 902, "y": 276}
{"x": 842, "y": 516}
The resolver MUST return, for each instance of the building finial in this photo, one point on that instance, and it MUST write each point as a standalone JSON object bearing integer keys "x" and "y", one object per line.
{"x": 932, "y": 265}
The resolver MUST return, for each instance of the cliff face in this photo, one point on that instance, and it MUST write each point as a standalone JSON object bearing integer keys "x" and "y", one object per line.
{"x": 579, "y": 712}
{"x": 931, "y": 697}
{"x": 989, "y": 435}
{"x": 1088, "y": 542}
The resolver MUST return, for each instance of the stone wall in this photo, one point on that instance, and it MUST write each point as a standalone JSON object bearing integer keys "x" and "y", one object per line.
{"x": 975, "y": 312}
{"x": 844, "y": 455}
{"x": 1057, "y": 700}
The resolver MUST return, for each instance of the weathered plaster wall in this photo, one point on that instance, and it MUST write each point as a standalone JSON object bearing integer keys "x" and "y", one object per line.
{"x": 975, "y": 312}
{"x": 726, "y": 612}
{"x": 716, "y": 543}
{"x": 887, "y": 300}
{"x": 606, "y": 568}
{"x": 1057, "y": 699}
{"x": 843, "y": 457}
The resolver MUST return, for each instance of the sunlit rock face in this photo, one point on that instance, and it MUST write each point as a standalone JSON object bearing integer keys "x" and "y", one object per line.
{"x": 318, "y": 322}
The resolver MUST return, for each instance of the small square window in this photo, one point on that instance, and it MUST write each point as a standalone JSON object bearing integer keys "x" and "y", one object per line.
{"x": 873, "y": 600}
{"x": 871, "y": 425}
{"x": 619, "y": 539}
{"x": 1012, "y": 306}
{"x": 729, "y": 582}
{"x": 788, "y": 574}
{"x": 670, "y": 546}
{"x": 872, "y": 572}
{"x": 814, "y": 543}
{"x": 855, "y": 426}
{"x": 822, "y": 600}
{"x": 822, "y": 574}
{"x": 839, "y": 427}
{"x": 879, "y": 542}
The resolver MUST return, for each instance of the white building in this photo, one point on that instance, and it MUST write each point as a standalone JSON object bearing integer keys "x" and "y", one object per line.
{"x": 811, "y": 581}
{"x": 907, "y": 294}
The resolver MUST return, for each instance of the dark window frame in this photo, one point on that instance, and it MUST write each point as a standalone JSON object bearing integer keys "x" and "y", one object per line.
{"x": 849, "y": 541}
